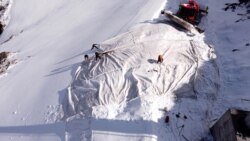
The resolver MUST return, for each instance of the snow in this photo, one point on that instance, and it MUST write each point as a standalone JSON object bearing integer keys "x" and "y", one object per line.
{"x": 53, "y": 94}
{"x": 128, "y": 85}
{"x": 229, "y": 35}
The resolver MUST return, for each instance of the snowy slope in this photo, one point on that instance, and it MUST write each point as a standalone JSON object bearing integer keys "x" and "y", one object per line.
{"x": 52, "y": 94}
{"x": 231, "y": 41}
{"x": 49, "y": 39}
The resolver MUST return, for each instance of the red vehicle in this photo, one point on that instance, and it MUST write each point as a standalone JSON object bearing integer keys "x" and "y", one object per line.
{"x": 191, "y": 12}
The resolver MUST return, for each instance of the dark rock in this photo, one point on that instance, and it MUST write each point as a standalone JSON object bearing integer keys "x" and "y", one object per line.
{"x": 178, "y": 115}
{"x": 167, "y": 119}
{"x": 4, "y": 62}
{"x": 235, "y": 50}
{"x": 185, "y": 117}
{"x": 244, "y": 1}
{"x": 1, "y": 28}
{"x": 226, "y": 8}
{"x": 2, "y": 8}
{"x": 3, "y": 56}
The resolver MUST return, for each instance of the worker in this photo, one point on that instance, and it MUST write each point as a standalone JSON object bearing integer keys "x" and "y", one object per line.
{"x": 166, "y": 119}
{"x": 86, "y": 57}
{"x": 95, "y": 46}
{"x": 160, "y": 58}
{"x": 97, "y": 56}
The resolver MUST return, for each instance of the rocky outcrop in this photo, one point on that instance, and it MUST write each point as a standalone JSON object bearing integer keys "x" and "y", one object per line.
{"x": 5, "y": 62}
{"x": 4, "y": 14}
